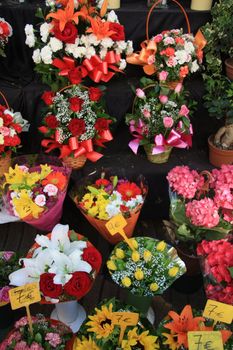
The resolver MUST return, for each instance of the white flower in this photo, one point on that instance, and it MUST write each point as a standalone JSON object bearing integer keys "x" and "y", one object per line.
{"x": 36, "y": 56}
{"x": 44, "y": 31}
{"x": 51, "y": 190}
{"x": 1, "y": 122}
{"x": 84, "y": 40}
{"x": 113, "y": 209}
{"x": 19, "y": 120}
{"x": 55, "y": 44}
{"x": 29, "y": 30}
{"x": 12, "y": 132}
{"x": 120, "y": 46}
{"x": 93, "y": 40}
{"x": 40, "y": 200}
{"x": 112, "y": 17}
{"x": 169, "y": 41}
{"x": 46, "y": 54}
{"x": 30, "y": 40}
{"x": 189, "y": 47}
{"x": 107, "y": 43}
{"x": 194, "y": 66}
{"x": 50, "y": 3}
{"x": 181, "y": 56}
{"x": 90, "y": 51}
{"x": 129, "y": 48}
{"x": 103, "y": 53}
{"x": 122, "y": 64}
{"x": 1, "y": 139}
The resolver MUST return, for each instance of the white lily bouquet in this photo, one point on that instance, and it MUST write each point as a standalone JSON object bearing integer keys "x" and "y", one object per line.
{"x": 63, "y": 262}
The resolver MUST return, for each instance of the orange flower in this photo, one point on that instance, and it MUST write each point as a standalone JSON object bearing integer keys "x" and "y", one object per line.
{"x": 65, "y": 16}
{"x": 184, "y": 71}
{"x": 100, "y": 28}
{"x": 85, "y": 12}
{"x": 56, "y": 178}
{"x": 184, "y": 323}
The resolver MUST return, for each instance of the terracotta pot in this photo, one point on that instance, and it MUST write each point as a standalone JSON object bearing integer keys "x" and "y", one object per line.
{"x": 157, "y": 158}
{"x": 229, "y": 68}
{"x": 217, "y": 156}
{"x": 201, "y": 5}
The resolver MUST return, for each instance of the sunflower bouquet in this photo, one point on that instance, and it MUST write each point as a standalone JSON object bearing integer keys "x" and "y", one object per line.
{"x": 36, "y": 195}
{"x": 173, "y": 330}
{"x": 103, "y": 197}
{"x": 102, "y": 329}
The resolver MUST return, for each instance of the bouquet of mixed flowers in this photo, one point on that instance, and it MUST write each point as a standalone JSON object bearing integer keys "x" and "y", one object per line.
{"x": 9, "y": 262}
{"x": 160, "y": 120}
{"x": 217, "y": 265}
{"x": 201, "y": 204}
{"x": 173, "y": 330}
{"x": 102, "y": 332}
{"x": 63, "y": 262}
{"x": 5, "y": 33}
{"x": 36, "y": 194}
{"x": 77, "y": 40}
{"x": 147, "y": 270}
{"x": 74, "y": 122}
{"x": 108, "y": 196}
{"x": 47, "y": 335}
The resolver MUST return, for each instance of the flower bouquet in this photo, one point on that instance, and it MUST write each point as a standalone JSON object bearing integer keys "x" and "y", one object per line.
{"x": 47, "y": 335}
{"x": 159, "y": 121}
{"x": 102, "y": 332}
{"x": 76, "y": 41}
{"x": 217, "y": 266}
{"x": 173, "y": 330}
{"x": 100, "y": 198}
{"x": 65, "y": 264}
{"x": 147, "y": 270}
{"x": 11, "y": 124}
{"x": 36, "y": 194}
{"x": 5, "y": 33}
{"x": 74, "y": 123}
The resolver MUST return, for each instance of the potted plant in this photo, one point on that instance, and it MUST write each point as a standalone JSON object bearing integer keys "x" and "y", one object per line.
{"x": 219, "y": 90}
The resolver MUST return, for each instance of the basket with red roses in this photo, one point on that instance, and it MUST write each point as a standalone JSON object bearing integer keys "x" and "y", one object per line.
{"x": 75, "y": 122}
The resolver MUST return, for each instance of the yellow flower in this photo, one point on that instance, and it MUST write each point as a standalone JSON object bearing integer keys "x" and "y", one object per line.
{"x": 135, "y": 256}
{"x": 120, "y": 253}
{"x": 25, "y": 206}
{"x": 147, "y": 255}
{"x": 45, "y": 170}
{"x": 171, "y": 341}
{"x": 111, "y": 265}
{"x": 161, "y": 246}
{"x": 142, "y": 341}
{"x": 134, "y": 243}
{"x": 93, "y": 211}
{"x": 101, "y": 323}
{"x": 172, "y": 272}
{"x": 32, "y": 178}
{"x": 15, "y": 176}
{"x": 126, "y": 281}
{"x": 154, "y": 287}
{"x": 85, "y": 344}
{"x": 139, "y": 275}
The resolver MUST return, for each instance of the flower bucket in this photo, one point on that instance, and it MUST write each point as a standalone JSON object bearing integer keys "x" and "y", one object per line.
{"x": 229, "y": 68}
{"x": 201, "y": 5}
{"x": 75, "y": 163}
{"x": 157, "y": 158}
{"x": 5, "y": 163}
{"x": 217, "y": 156}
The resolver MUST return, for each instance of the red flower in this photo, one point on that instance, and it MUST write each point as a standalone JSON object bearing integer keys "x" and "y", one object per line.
{"x": 169, "y": 51}
{"x": 68, "y": 35}
{"x": 5, "y": 29}
{"x": 102, "y": 124}
{"x": 76, "y": 127}
{"x": 76, "y": 104}
{"x": 128, "y": 190}
{"x": 102, "y": 182}
{"x": 7, "y": 119}
{"x": 94, "y": 94}
{"x": 51, "y": 121}
{"x": 2, "y": 147}
{"x": 78, "y": 285}
{"x": 48, "y": 287}
{"x": 93, "y": 257}
{"x": 124, "y": 208}
{"x": 179, "y": 40}
{"x": 11, "y": 141}
{"x": 2, "y": 109}
{"x": 184, "y": 71}
{"x": 119, "y": 31}
{"x": 47, "y": 97}
{"x": 17, "y": 127}
{"x": 77, "y": 74}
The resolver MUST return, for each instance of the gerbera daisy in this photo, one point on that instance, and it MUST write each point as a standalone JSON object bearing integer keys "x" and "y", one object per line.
{"x": 85, "y": 344}
{"x": 56, "y": 178}
{"x": 142, "y": 341}
{"x": 128, "y": 190}
{"x": 101, "y": 323}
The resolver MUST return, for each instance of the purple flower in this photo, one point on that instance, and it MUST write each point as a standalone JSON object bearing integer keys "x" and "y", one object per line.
{"x": 7, "y": 255}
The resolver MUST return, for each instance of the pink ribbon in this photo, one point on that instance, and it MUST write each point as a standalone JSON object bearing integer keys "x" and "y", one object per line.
{"x": 137, "y": 133}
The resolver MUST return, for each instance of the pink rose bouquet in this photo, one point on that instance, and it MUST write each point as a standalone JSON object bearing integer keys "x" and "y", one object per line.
{"x": 201, "y": 203}
{"x": 5, "y": 33}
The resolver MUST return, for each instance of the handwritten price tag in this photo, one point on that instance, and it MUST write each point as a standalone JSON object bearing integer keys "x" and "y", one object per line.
{"x": 116, "y": 225}
{"x": 125, "y": 319}
{"x": 218, "y": 311}
{"x": 205, "y": 340}
{"x": 24, "y": 296}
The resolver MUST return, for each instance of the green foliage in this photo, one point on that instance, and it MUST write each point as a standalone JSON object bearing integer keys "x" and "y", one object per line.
{"x": 7, "y": 267}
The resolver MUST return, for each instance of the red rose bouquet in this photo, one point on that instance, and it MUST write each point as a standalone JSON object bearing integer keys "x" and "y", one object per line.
{"x": 5, "y": 33}
{"x": 64, "y": 263}
{"x": 36, "y": 194}
{"x": 75, "y": 123}
{"x": 76, "y": 41}
{"x": 217, "y": 264}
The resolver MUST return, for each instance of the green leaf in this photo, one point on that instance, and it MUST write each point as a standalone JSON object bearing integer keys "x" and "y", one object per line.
{"x": 178, "y": 212}
{"x": 73, "y": 236}
{"x": 115, "y": 181}
{"x": 39, "y": 13}
{"x": 183, "y": 230}
{"x": 93, "y": 190}
{"x": 231, "y": 271}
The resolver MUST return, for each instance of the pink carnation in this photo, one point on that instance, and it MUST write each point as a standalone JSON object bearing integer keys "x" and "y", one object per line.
{"x": 4, "y": 296}
{"x": 223, "y": 176}
{"x": 14, "y": 336}
{"x": 23, "y": 321}
{"x": 3, "y": 345}
{"x": 158, "y": 38}
{"x": 203, "y": 213}
{"x": 54, "y": 339}
{"x": 22, "y": 345}
{"x": 36, "y": 346}
{"x": 224, "y": 196}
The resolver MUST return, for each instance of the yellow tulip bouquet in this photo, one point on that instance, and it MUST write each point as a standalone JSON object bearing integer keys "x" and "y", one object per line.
{"x": 103, "y": 329}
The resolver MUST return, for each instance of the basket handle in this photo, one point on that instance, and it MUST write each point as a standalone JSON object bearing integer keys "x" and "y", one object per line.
{"x": 70, "y": 86}
{"x": 155, "y": 5}
{"x": 5, "y": 100}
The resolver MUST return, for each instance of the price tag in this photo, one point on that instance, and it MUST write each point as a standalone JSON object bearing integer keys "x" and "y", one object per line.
{"x": 218, "y": 311}
{"x": 205, "y": 340}
{"x": 116, "y": 225}
{"x": 24, "y": 295}
{"x": 125, "y": 319}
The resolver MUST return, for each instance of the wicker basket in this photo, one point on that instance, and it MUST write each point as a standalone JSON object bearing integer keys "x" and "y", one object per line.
{"x": 75, "y": 163}
{"x": 157, "y": 158}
